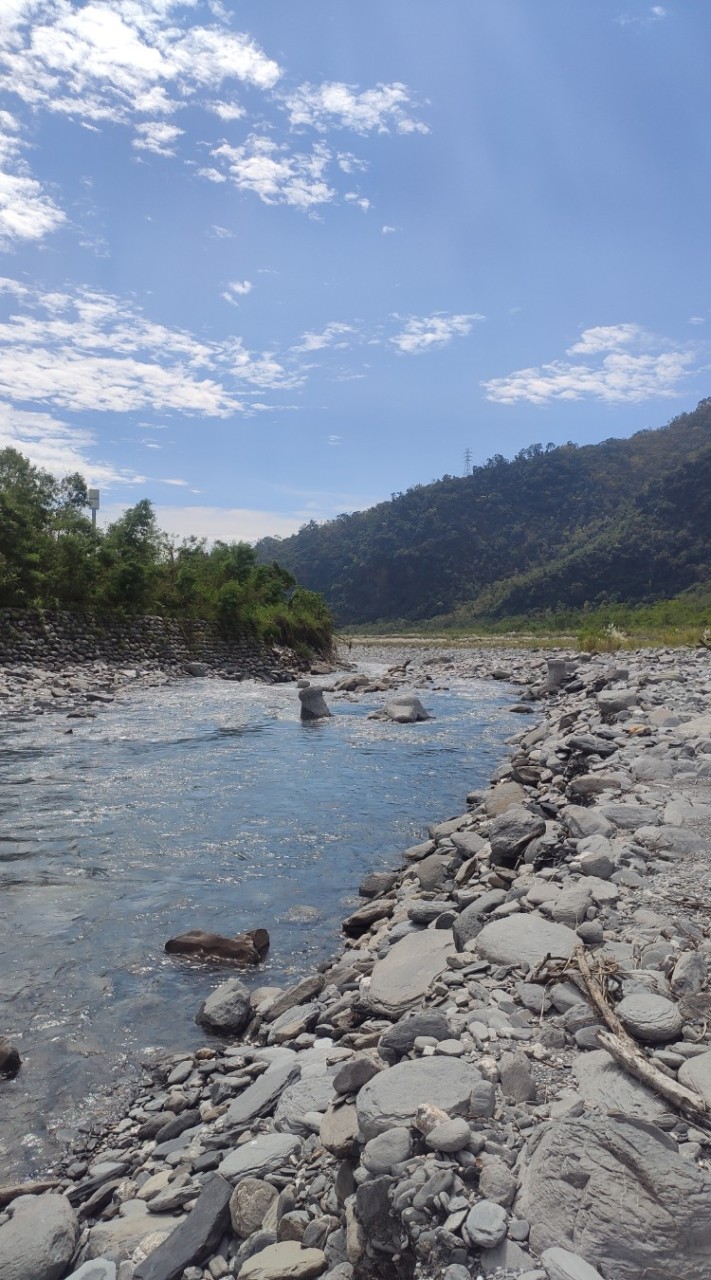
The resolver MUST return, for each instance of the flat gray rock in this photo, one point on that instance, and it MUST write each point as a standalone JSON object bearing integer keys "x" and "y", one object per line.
{"x": 399, "y": 982}
{"x": 284, "y": 1261}
{"x": 390, "y": 1100}
{"x": 561, "y": 1264}
{"x": 617, "y": 1192}
{"x": 259, "y": 1097}
{"x": 629, "y": 816}
{"x": 607, "y": 1087}
{"x": 699, "y": 727}
{"x": 524, "y": 940}
{"x": 696, "y": 1074}
{"x": 39, "y": 1240}
{"x": 263, "y": 1154}
{"x": 312, "y": 1094}
{"x": 98, "y": 1269}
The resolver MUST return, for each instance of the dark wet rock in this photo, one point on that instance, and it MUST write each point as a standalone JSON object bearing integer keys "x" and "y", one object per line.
{"x": 313, "y": 703}
{"x": 399, "y": 1040}
{"x": 195, "y": 1239}
{"x": 511, "y": 832}
{"x": 10, "y": 1060}
{"x": 243, "y": 948}
{"x": 472, "y": 919}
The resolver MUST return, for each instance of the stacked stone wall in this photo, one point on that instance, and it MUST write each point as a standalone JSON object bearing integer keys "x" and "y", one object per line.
{"x": 55, "y": 640}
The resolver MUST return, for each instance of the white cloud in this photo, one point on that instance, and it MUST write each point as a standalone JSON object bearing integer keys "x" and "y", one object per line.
{"x": 333, "y": 104}
{"x": 277, "y": 177}
{"x": 422, "y": 333}
{"x": 109, "y": 59}
{"x": 388, "y": 231}
{"x": 354, "y": 198}
{"x": 26, "y": 211}
{"x": 237, "y": 289}
{"x": 93, "y": 351}
{"x": 331, "y": 336}
{"x": 697, "y": 320}
{"x": 158, "y": 137}
{"x": 227, "y": 110}
{"x": 333, "y": 440}
{"x": 619, "y": 375}
{"x": 607, "y": 338}
{"x": 57, "y": 447}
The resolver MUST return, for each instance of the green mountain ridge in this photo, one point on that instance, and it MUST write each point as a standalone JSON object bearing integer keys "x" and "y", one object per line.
{"x": 555, "y": 527}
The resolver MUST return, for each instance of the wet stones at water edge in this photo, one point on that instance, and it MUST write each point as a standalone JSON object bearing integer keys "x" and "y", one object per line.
{"x": 436, "y": 1103}
{"x": 10, "y": 1060}
{"x": 245, "y": 948}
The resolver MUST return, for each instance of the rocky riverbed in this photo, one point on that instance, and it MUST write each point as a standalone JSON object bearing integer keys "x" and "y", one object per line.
{"x": 506, "y": 1072}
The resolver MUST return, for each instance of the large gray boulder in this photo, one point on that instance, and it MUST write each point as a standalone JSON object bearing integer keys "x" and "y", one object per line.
{"x": 400, "y": 980}
{"x": 227, "y": 1010}
{"x": 525, "y": 940}
{"x": 313, "y": 703}
{"x": 511, "y": 832}
{"x": 405, "y": 708}
{"x": 39, "y": 1240}
{"x": 390, "y": 1099}
{"x": 617, "y": 1192}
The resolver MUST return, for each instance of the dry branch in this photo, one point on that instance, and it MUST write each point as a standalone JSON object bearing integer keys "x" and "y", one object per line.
{"x": 624, "y": 1050}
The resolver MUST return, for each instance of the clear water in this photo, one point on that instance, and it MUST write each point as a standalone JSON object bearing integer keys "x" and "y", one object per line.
{"x": 202, "y": 805}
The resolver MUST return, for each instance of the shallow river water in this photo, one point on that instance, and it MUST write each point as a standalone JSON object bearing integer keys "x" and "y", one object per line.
{"x": 205, "y": 804}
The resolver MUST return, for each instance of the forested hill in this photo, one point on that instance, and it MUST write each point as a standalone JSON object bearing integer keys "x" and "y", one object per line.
{"x": 625, "y": 520}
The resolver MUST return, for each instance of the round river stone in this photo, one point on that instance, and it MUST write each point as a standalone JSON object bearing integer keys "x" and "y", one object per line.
{"x": 650, "y": 1018}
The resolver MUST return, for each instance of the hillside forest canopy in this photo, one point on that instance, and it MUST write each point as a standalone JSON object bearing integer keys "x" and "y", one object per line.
{"x": 554, "y": 530}
{"x": 51, "y": 557}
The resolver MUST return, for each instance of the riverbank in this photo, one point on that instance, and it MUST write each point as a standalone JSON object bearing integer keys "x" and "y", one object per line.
{"x": 436, "y": 1101}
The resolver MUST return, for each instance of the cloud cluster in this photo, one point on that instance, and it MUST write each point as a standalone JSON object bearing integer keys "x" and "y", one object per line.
{"x": 274, "y": 173}
{"x": 140, "y": 64}
{"x": 423, "y": 333}
{"x": 333, "y": 104}
{"x": 26, "y": 211}
{"x": 57, "y": 446}
{"x": 625, "y": 364}
{"x": 93, "y": 351}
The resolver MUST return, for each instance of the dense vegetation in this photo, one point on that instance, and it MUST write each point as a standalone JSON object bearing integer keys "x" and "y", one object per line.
{"x": 52, "y": 558}
{"x": 554, "y": 530}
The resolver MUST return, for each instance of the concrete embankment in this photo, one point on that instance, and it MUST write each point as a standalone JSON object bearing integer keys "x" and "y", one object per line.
{"x": 507, "y": 1071}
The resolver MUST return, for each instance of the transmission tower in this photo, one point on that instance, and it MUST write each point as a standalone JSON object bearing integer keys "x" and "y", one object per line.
{"x": 468, "y": 462}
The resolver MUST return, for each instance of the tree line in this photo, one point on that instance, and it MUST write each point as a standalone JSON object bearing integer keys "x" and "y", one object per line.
{"x": 553, "y": 528}
{"x": 52, "y": 557}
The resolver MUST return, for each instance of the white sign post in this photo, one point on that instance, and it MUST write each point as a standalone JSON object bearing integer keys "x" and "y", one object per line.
{"x": 94, "y": 497}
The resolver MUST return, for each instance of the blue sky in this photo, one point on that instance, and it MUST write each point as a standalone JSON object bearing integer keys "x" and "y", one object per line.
{"x": 266, "y": 262}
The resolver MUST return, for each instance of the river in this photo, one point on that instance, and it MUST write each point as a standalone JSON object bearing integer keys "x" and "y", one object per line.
{"x": 205, "y": 804}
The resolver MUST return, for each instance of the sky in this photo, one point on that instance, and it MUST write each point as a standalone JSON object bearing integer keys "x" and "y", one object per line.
{"x": 266, "y": 261}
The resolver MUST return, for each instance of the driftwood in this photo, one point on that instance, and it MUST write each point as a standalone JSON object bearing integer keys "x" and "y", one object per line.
{"x": 626, "y": 1051}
